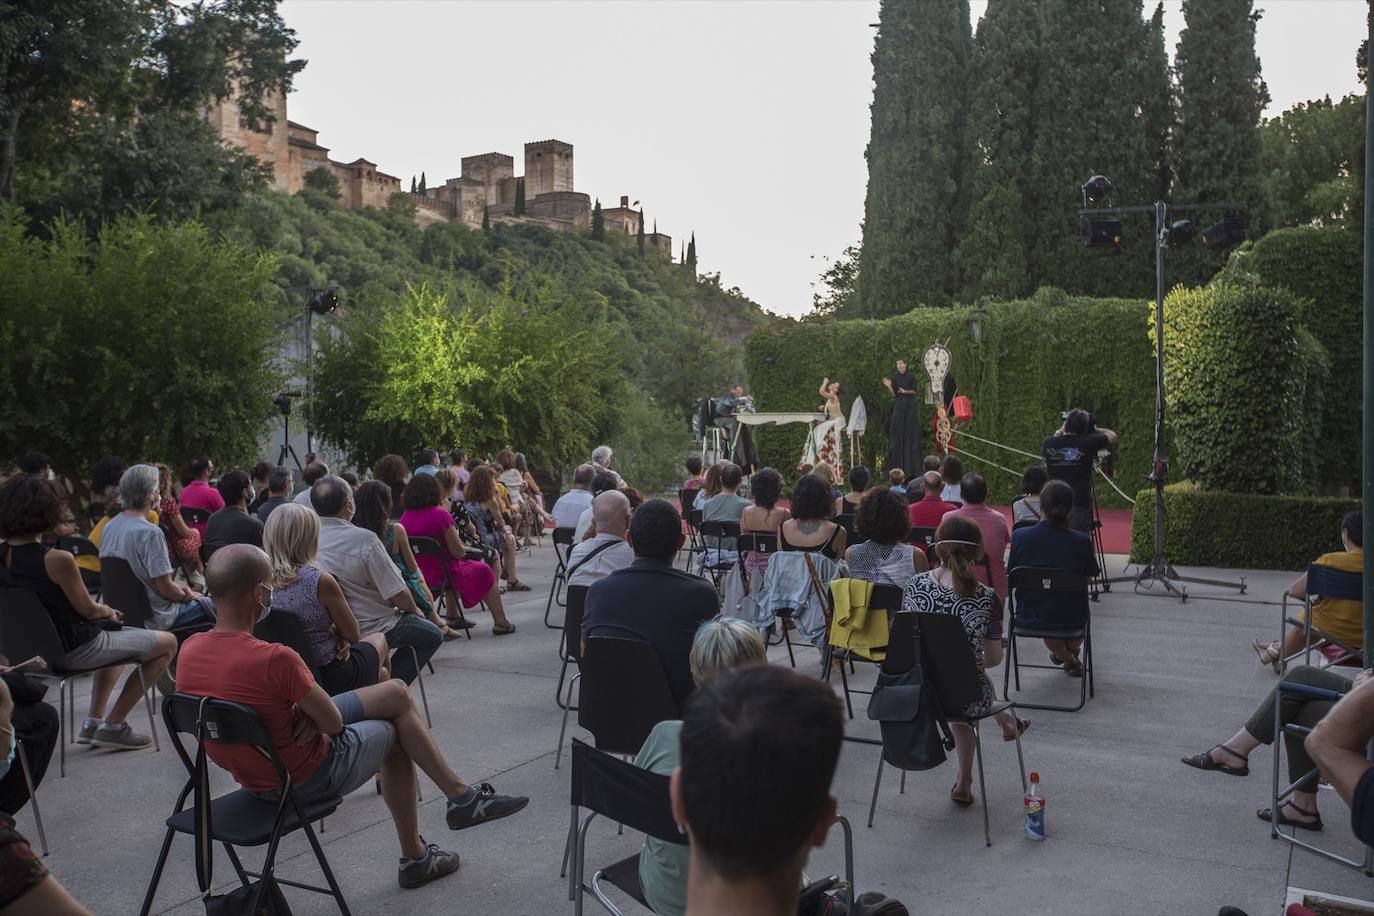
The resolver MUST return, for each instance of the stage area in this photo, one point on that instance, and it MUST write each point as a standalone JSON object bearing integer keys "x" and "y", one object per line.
{"x": 1131, "y": 830}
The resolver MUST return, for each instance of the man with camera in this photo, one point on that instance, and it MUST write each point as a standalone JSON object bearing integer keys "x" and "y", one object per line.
{"x": 1069, "y": 456}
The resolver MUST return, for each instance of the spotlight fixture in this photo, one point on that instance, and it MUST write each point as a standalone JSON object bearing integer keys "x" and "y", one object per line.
{"x": 1180, "y": 232}
{"x": 1099, "y": 233}
{"x": 1225, "y": 234}
{"x": 1096, "y": 190}
{"x": 324, "y": 302}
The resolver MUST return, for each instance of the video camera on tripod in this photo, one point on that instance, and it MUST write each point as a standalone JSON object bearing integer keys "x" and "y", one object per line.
{"x": 283, "y": 401}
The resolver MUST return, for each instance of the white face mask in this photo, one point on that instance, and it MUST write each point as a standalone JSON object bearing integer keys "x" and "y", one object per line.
{"x": 266, "y": 607}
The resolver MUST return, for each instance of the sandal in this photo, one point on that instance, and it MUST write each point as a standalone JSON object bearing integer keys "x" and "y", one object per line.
{"x": 966, "y": 799}
{"x": 1204, "y": 761}
{"x": 1265, "y": 814}
{"x": 517, "y": 587}
{"x": 1021, "y": 726}
{"x": 450, "y": 634}
{"x": 499, "y": 630}
{"x": 1268, "y": 655}
{"x": 1073, "y": 668}
{"x": 455, "y": 624}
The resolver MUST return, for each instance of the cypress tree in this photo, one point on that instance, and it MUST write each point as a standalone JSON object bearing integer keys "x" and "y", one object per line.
{"x": 1156, "y": 106}
{"x": 993, "y": 248}
{"x": 692, "y": 252}
{"x": 639, "y": 237}
{"x": 486, "y": 217}
{"x": 598, "y": 222}
{"x": 412, "y": 184}
{"x": 422, "y": 182}
{"x": 915, "y": 154}
{"x": 519, "y": 197}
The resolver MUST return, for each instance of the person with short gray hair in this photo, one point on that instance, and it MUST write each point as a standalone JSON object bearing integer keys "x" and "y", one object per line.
{"x": 130, "y": 537}
{"x": 602, "y": 458}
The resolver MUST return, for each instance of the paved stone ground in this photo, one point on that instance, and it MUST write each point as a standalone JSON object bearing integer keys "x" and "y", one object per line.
{"x": 1131, "y": 829}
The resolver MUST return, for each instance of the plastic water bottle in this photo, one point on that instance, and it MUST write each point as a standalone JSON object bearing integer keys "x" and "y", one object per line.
{"x": 1035, "y": 810}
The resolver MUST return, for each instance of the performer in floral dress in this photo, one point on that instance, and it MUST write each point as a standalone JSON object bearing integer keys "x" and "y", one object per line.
{"x": 823, "y": 444}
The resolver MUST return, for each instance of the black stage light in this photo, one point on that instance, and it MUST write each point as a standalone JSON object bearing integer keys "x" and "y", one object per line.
{"x": 1096, "y": 190}
{"x": 1225, "y": 234}
{"x": 1099, "y": 233}
{"x": 1180, "y": 231}
{"x": 324, "y": 302}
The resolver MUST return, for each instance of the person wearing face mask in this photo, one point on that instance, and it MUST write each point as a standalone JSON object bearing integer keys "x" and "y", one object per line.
{"x": 233, "y": 524}
{"x": 330, "y": 746}
{"x": 371, "y": 584}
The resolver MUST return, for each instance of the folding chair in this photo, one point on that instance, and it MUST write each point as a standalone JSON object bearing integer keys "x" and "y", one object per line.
{"x": 923, "y": 538}
{"x": 713, "y": 537}
{"x": 237, "y": 818}
{"x": 78, "y": 546}
{"x": 1053, "y": 581}
{"x": 685, "y": 498}
{"x": 429, "y": 547}
{"x": 571, "y": 645}
{"x": 562, "y": 544}
{"x": 950, "y": 669}
{"x": 193, "y": 517}
{"x": 33, "y": 790}
{"x": 26, "y": 630}
{"x": 624, "y": 695}
{"x": 693, "y": 519}
{"x": 123, "y": 591}
{"x": 1024, "y": 523}
{"x": 636, "y": 798}
{"x": 1278, "y": 796}
{"x": 884, "y": 597}
{"x": 285, "y": 629}
{"x": 1322, "y": 582}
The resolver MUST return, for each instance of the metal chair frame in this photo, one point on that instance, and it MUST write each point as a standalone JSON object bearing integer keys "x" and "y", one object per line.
{"x": 429, "y": 547}
{"x": 1322, "y": 581}
{"x": 719, "y": 532}
{"x": 562, "y": 537}
{"x": 1055, "y": 581}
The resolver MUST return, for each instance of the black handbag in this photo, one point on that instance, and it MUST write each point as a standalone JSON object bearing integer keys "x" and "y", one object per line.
{"x": 915, "y": 732}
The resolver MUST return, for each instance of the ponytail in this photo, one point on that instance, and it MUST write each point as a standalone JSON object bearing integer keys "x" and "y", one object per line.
{"x": 1056, "y": 502}
{"x": 960, "y": 557}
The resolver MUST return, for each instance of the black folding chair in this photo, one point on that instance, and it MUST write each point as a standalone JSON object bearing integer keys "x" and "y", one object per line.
{"x": 693, "y": 519}
{"x": 26, "y": 630}
{"x": 124, "y": 591}
{"x": 237, "y": 818}
{"x": 951, "y": 671}
{"x": 1323, "y": 582}
{"x": 285, "y": 629}
{"x": 193, "y": 517}
{"x": 851, "y": 534}
{"x": 714, "y": 536}
{"x": 624, "y": 695}
{"x": 923, "y": 538}
{"x": 1046, "y": 581}
{"x": 685, "y": 499}
{"x": 1024, "y": 523}
{"x": 571, "y": 645}
{"x": 562, "y": 545}
{"x": 886, "y": 598}
{"x": 633, "y": 797}
{"x": 78, "y": 547}
{"x": 429, "y": 547}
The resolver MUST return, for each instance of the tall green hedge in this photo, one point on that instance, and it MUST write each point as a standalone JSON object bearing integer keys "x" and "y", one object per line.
{"x": 1243, "y": 382}
{"x": 1238, "y": 530}
{"x": 1323, "y": 265}
{"x": 1038, "y": 356}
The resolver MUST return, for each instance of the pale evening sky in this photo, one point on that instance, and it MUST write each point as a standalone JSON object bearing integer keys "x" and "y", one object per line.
{"x": 745, "y": 122}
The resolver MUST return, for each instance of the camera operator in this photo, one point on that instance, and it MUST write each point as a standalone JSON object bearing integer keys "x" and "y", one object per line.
{"x": 1069, "y": 455}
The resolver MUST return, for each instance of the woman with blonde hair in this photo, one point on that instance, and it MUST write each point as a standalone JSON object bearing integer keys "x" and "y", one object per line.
{"x": 342, "y": 657}
{"x": 953, "y": 588}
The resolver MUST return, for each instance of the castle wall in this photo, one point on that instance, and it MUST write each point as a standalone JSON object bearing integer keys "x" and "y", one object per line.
{"x": 548, "y": 167}
{"x": 570, "y": 206}
{"x": 269, "y": 147}
{"x": 490, "y": 170}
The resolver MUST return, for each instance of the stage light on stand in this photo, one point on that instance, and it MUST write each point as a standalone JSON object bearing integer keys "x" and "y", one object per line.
{"x": 1180, "y": 232}
{"x": 1096, "y": 190}
{"x": 1225, "y": 234}
{"x": 324, "y": 302}
{"x": 1099, "y": 233}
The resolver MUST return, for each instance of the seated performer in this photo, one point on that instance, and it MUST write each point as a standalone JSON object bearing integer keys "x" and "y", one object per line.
{"x": 726, "y": 407}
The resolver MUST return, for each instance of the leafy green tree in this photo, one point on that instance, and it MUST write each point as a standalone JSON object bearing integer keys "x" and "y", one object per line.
{"x": 421, "y": 188}
{"x": 1312, "y": 164}
{"x": 598, "y": 222}
{"x": 836, "y": 295}
{"x": 915, "y": 154}
{"x": 519, "y": 197}
{"x": 325, "y": 181}
{"x": 993, "y": 248}
{"x": 1156, "y": 106}
{"x": 87, "y": 324}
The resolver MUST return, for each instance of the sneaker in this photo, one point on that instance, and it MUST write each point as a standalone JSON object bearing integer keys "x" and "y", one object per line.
{"x": 418, "y": 872}
{"x": 87, "y": 731}
{"x": 166, "y": 684}
{"x": 486, "y": 805}
{"x": 119, "y": 737}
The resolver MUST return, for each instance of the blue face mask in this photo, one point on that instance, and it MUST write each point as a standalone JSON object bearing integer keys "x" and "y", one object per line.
{"x": 9, "y": 759}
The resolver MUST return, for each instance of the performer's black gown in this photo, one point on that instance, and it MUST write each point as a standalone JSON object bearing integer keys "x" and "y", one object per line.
{"x": 904, "y": 430}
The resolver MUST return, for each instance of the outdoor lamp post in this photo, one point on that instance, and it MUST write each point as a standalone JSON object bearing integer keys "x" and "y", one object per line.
{"x": 975, "y": 324}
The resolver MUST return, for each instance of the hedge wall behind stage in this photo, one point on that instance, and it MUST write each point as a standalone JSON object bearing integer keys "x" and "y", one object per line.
{"x": 1210, "y": 528}
{"x": 1039, "y": 356}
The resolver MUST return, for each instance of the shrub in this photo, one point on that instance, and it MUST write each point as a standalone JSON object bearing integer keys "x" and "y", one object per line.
{"x": 1238, "y": 530}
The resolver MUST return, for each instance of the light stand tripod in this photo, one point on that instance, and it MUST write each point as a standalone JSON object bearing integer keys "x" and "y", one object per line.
{"x": 1100, "y": 582}
{"x": 1159, "y": 570}
{"x": 283, "y": 402}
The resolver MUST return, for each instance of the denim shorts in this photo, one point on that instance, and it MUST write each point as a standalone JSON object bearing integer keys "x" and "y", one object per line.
{"x": 354, "y": 756}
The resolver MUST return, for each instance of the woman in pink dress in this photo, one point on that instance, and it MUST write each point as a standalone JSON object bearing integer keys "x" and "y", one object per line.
{"x": 426, "y": 517}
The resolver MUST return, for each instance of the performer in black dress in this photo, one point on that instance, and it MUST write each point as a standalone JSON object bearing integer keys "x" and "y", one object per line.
{"x": 904, "y": 430}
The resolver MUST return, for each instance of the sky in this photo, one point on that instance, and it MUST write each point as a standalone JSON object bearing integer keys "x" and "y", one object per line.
{"x": 742, "y": 121}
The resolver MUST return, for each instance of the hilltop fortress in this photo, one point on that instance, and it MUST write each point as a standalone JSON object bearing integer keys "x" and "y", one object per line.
{"x": 487, "y": 182}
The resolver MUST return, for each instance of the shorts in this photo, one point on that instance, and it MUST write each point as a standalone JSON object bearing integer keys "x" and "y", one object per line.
{"x": 345, "y": 674}
{"x": 354, "y": 757}
{"x": 20, "y": 869}
{"x": 110, "y": 647}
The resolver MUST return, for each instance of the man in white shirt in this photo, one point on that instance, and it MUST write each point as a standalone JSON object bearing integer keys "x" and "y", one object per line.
{"x": 370, "y": 581}
{"x": 599, "y": 556}
{"x": 573, "y": 503}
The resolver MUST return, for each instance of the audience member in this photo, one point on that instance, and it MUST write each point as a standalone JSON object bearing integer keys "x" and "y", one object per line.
{"x": 570, "y": 506}
{"x": 826, "y": 473}
{"x": 885, "y": 558}
{"x": 1341, "y": 618}
{"x": 599, "y": 556}
{"x": 1070, "y": 455}
{"x": 719, "y": 645}
{"x": 28, "y": 507}
{"x": 927, "y": 511}
{"x": 429, "y": 461}
{"x": 133, "y": 539}
{"x": 480, "y": 499}
{"x": 105, "y": 485}
{"x": 278, "y": 492}
{"x": 896, "y": 482}
{"x": 184, "y": 540}
{"x": 371, "y": 585}
{"x": 727, "y": 505}
{"x": 651, "y": 601}
{"x": 930, "y": 463}
{"x": 1026, "y": 507}
{"x": 750, "y": 837}
{"x": 38, "y": 464}
{"x": 349, "y": 478}
{"x": 330, "y": 746}
{"x": 710, "y": 486}
{"x": 232, "y": 524}
{"x": 601, "y": 483}
{"x": 392, "y": 471}
{"x": 198, "y": 494}
{"x": 532, "y": 490}
{"x": 1338, "y": 745}
{"x": 459, "y": 460}
{"x": 1052, "y": 544}
{"x": 314, "y": 472}
{"x": 467, "y": 581}
{"x": 992, "y": 523}
{"x": 695, "y": 476}
{"x": 342, "y": 657}
{"x": 259, "y": 474}
{"x": 525, "y": 516}
{"x": 372, "y": 512}
{"x": 859, "y": 477}
{"x": 604, "y": 459}
{"x": 765, "y": 516}
{"x": 952, "y": 473}
{"x": 953, "y": 588}
{"x": 36, "y": 725}
{"x": 810, "y": 527}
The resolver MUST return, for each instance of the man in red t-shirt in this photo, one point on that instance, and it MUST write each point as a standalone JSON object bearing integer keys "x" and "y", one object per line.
{"x": 927, "y": 511}
{"x": 329, "y": 746}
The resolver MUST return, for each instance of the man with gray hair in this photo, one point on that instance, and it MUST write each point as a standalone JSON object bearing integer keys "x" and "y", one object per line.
{"x": 573, "y": 503}
{"x": 599, "y": 556}
{"x": 603, "y": 457}
{"x": 130, "y": 537}
{"x": 379, "y": 597}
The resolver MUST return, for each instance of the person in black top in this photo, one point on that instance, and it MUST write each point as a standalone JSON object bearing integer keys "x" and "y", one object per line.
{"x": 810, "y": 528}
{"x": 30, "y": 506}
{"x": 233, "y": 524}
{"x": 904, "y": 430}
{"x": 278, "y": 492}
{"x": 651, "y": 601}
{"x": 1069, "y": 455}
